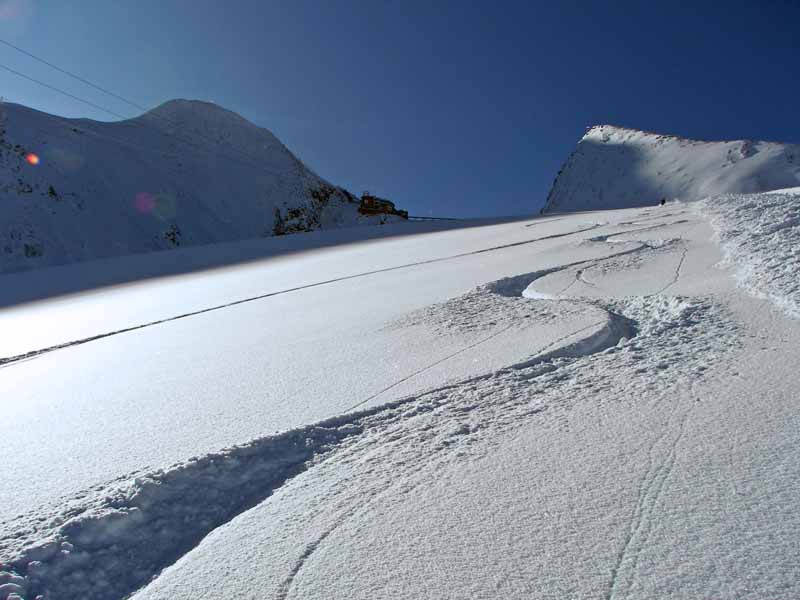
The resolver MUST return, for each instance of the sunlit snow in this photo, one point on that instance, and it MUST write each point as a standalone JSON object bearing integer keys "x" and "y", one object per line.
{"x": 586, "y": 406}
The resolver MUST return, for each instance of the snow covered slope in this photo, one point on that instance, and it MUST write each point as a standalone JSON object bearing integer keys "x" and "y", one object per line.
{"x": 615, "y": 167}
{"x": 183, "y": 174}
{"x": 581, "y": 406}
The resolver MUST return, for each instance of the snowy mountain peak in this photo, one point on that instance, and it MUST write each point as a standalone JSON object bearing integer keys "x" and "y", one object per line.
{"x": 606, "y": 131}
{"x": 617, "y": 134}
{"x": 211, "y": 125}
{"x": 181, "y": 107}
{"x": 199, "y": 116}
{"x": 618, "y": 167}
{"x": 185, "y": 173}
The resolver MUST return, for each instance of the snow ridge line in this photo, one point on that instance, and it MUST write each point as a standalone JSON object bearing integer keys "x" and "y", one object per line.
{"x": 123, "y": 535}
{"x": 6, "y": 361}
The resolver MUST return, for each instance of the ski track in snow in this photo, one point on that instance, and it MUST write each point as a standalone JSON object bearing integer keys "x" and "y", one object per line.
{"x": 111, "y": 540}
{"x": 430, "y": 366}
{"x": 539, "y": 222}
{"x": 4, "y": 362}
{"x": 607, "y": 237}
{"x": 650, "y": 489}
{"x": 283, "y": 592}
{"x": 580, "y": 274}
{"x": 677, "y": 273}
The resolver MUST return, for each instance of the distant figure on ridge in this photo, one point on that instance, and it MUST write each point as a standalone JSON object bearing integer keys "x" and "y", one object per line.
{"x": 663, "y": 201}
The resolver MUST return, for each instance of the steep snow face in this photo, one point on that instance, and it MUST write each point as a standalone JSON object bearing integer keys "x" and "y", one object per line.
{"x": 614, "y": 167}
{"x": 183, "y": 174}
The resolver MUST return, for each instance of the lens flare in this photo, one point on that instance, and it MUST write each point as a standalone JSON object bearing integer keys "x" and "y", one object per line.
{"x": 11, "y": 10}
{"x": 144, "y": 203}
{"x": 32, "y": 159}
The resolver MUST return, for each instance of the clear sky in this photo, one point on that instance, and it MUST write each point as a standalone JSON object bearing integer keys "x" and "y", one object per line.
{"x": 449, "y": 108}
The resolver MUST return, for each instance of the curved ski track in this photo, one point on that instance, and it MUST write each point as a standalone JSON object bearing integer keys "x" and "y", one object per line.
{"x": 6, "y": 361}
{"x": 276, "y": 459}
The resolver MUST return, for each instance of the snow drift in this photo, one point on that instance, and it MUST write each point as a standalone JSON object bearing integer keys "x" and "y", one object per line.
{"x": 185, "y": 173}
{"x": 615, "y": 167}
{"x": 760, "y": 235}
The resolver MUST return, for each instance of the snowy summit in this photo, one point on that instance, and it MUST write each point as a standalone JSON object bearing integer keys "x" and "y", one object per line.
{"x": 616, "y": 167}
{"x": 183, "y": 174}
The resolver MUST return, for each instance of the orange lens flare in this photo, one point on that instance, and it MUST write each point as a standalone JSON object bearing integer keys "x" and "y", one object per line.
{"x": 145, "y": 203}
{"x": 32, "y": 159}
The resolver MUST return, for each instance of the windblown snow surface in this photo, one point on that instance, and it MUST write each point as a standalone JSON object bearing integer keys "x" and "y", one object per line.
{"x": 616, "y": 167}
{"x": 584, "y": 406}
{"x": 184, "y": 174}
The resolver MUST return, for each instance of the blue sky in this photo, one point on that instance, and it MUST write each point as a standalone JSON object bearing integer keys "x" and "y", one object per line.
{"x": 449, "y": 108}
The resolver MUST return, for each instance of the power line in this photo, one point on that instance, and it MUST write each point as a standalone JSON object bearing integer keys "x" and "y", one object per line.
{"x": 60, "y": 91}
{"x": 167, "y": 120}
{"x": 248, "y": 158}
{"x": 77, "y": 77}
